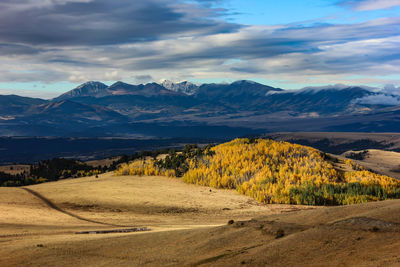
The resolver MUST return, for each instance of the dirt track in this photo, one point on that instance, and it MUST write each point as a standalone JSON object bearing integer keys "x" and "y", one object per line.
{"x": 55, "y": 207}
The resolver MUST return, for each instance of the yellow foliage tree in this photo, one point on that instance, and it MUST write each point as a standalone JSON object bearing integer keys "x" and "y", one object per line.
{"x": 277, "y": 172}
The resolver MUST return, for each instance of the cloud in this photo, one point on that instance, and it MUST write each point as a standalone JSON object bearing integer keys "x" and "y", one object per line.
{"x": 82, "y": 76}
{"x": 283, "y": 52}
{"x": 391, "y": 89}
{"x": 17, "y": 49}
{"x": 389, "y": 95}
{"x": 39, "y": 75}
{"x": 368, "y": 5}
{"x": 318, "y": 50}
{"x": 379, "y": 99}
{"x": 80, "y": 40}
{"x": 112, "y": 76}
{"x": 100, "y": 22}
{"x": 143, "y": 78}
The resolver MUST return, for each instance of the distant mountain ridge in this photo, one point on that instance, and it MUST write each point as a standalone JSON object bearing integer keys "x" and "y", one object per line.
{"x": 123, "y": 109}
{"x": 185, "y": 87}
{"x": 98, "y": 89}
{"x": 238, "y": 88}
{"x": 91, "y": 88}
{"x": 13, "y": 105}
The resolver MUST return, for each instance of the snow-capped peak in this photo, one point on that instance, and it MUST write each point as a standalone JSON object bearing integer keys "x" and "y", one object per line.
{"x": 181, "y": 87}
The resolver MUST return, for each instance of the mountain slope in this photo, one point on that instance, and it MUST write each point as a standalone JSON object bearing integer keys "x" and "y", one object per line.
{"x": 243, "y": 104}
{"x": 98, "y": 90}
{"x": 185, "y": 87}
{"x": 62, "y": 118}
{"x": 226, "y": 98}
{"x": 146, "y": 90}
{"x": 324, "y": 101}
{"x": 57, "y": 110}
{"x": 95, "y": 89}
{"x": 11, "y": 105}
{"x": 240, "y": 94}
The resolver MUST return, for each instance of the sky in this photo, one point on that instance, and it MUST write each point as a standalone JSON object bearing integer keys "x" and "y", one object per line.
{"x": 48, "y": 47}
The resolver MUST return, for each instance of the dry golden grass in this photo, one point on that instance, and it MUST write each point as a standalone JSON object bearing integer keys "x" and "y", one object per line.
{"x": 383, "y": 162}
{"x": 189, "y": 227}
{"x": 102, "y": 162}
{"x": 132, "y": 200}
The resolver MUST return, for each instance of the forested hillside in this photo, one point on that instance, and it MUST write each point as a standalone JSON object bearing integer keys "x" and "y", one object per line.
{"x": 272, "y": 172}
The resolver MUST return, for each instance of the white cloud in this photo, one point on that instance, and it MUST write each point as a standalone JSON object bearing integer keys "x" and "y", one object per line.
{"x": 112, "y": 76}
{"x": 77, "y": 77}
{"x": 389, "y": 95}
{"x": 379, "y": 99}
{"x": 391, "y": 89}
{"x": 368, "y": 5}
{"x": 360, "y": 53}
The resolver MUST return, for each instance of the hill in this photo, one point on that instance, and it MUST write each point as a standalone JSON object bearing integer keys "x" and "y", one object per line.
{"x": 188, "y": 227}
{"x": 273, "y": 172}
{"x": 384, "y": 162}
{"x": 13, "y": 105}
{"x": 340, "y": 142}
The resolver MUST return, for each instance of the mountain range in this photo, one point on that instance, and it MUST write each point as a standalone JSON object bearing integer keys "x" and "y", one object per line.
{"x": 168, "y": 109}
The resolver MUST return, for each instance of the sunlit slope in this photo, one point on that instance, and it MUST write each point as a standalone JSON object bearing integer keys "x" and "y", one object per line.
{"x": 384, "y": 162}
{"x": 276, "y": 172}
{"x": 50, "y": 214}
{"x": 183, "y": 218}
{"x": 281, "y": 172}
{"x": 18, "y": 207}
{"x": 358, "y": 235}
{"x": 126, "y": 201}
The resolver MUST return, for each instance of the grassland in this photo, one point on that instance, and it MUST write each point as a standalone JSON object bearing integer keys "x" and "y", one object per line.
{"x": 195, "y": 225}
{"x": 189, "y": 227}
{"x": 384, "y": 162}
{"x": 109, "y": 202}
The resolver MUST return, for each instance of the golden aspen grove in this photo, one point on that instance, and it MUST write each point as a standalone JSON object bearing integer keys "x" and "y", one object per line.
{"x": 272, "y": 172}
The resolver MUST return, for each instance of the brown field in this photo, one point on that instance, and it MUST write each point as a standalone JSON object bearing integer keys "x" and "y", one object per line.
{"x": 188, "y": 227}
{"x": 102, "y": 162}
{"x": 383, "y": 162}
{"x": 393, "y": 138}
{"x": 341, "y": 140}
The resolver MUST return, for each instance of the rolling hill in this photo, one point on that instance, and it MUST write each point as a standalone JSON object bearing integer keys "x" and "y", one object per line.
{"x": 273, "y": 172}
{"x": 188, "y": 227}
{"x": 155, "y": 220}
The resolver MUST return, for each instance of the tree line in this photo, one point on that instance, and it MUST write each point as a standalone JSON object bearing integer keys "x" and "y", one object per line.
{"x": 62, "y": 168}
